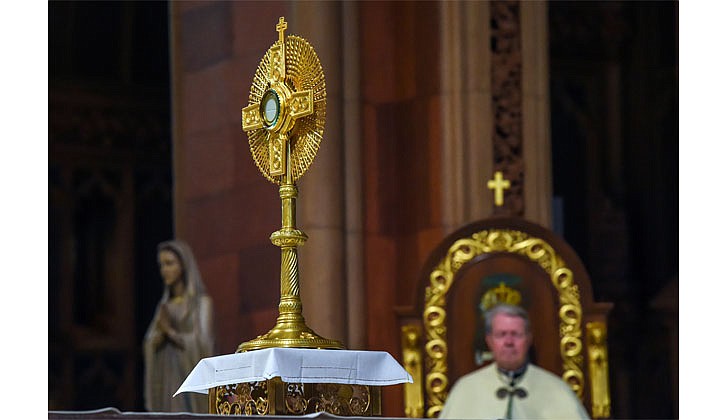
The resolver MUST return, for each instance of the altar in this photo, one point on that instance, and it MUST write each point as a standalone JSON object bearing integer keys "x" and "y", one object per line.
{"x": 114, "y": 414}
{"x": 280, "y": 383}
{"x": 295, "y": 381}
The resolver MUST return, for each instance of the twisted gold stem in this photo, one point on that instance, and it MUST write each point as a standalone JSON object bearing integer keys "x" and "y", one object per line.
{"x": 290, "y": 329}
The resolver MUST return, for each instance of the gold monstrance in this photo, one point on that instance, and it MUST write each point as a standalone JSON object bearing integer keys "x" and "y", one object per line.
{"x": 285, "y": 122}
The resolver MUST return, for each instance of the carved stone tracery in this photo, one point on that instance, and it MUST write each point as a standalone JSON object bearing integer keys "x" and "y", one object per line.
{"x": 505, "y": 41}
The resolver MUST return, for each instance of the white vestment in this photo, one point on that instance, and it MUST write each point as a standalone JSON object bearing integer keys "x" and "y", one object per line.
{"x": 548, "y": 397}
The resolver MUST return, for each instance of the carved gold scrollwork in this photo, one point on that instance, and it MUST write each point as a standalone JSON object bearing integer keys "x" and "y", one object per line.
{"x": 295, "y": 400}
{"x": 360, "y": 400}
{"x": 243, "y": 398}
{"x": 414, "y": 405}
{"x": 276, "y": 63}
{"x": 436, "y": 384}
{"x": 462, "y": 252}
{"x": 301, "y": 103}
{"x": 251, "y": 118}
{"x": 255, "y": 398}
{"x": 327, "y": 399}
{"x": 596, "y": 333}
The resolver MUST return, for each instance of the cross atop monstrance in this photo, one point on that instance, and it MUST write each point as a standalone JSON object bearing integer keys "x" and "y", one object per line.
{"x": 284, "y": 122}
{"x": 281, "y": 27}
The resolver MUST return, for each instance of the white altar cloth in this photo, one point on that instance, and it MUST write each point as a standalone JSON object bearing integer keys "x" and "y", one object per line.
{"x": 296, "y": 365}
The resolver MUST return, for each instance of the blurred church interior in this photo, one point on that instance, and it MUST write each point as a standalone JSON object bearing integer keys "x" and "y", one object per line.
{"x": 577, "y": 103}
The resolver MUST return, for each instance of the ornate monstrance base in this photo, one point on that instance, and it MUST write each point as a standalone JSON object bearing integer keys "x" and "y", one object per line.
{"x": 290, "y": 331}
{"x": 302, "y": 340}
{"x": 274, "y": 397}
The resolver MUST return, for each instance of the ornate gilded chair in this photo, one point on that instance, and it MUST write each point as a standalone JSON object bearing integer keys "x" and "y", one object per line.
{"x": 511, "y": 260}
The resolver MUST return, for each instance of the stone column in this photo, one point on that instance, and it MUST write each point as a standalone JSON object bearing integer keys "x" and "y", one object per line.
{"x": 355, "y": 290}
{"x": 321, "y": 200}
{"x": 467, "y": 144}
{"x": 536, "y": 115}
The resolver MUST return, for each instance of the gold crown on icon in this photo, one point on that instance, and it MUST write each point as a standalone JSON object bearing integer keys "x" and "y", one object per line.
{"x": 500, "y": 294}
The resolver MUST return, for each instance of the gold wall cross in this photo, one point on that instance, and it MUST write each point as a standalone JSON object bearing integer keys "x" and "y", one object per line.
{"x": 499, "y": 185}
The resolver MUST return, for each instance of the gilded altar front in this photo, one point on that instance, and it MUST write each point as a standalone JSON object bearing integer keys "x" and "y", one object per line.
{"x": 275, "y": 397}
{"x": 295, "y": 381}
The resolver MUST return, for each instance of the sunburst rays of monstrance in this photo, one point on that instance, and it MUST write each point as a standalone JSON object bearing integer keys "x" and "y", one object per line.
{"x": 284, "y": 121}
